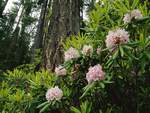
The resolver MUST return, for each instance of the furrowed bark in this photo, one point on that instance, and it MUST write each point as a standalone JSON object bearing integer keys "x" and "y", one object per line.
{"x": 64, "y": 21}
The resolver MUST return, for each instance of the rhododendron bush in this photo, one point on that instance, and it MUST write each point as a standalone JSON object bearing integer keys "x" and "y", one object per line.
{"x": 105, "y": 70}
{"x": 109, "y": 72}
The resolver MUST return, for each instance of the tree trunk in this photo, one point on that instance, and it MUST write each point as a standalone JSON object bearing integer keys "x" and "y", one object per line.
{"x": 64, "y": 20}
{"x": 18, "y": 18}
{"x": 75, "y": 16}
{"x": 40, "y": 28}
{"x": 2, "y": 7}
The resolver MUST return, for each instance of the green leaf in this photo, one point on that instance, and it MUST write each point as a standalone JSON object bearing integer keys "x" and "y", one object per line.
{"x": 88, "y": 88}
{"x": 127, "y": 4}
{"x": 109, "y": 110}
{"x": 143, "y": 19}
{"x": 120, "y": 77}
{"x": 102, "y": 85}
{"x": 115, "y": 54}
{"x": 75, "y": 110}
{"x": 121, "y": 51}
{"x": 43, "y": 104}
{"x": 45, "y": 108}
{"x": 147, "y": 55}
{"x": 135, "y": 3}
{"x": 127, "y": 47}
{"x": 108, "y": 82}
{"x": 109, "y": 63}
{"x": 89, "y": 108}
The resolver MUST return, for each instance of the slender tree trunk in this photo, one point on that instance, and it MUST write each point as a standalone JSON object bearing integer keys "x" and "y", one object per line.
{"x": 47, "y": 19}
{"x": 18, "y": 18}
{"x": 40, "y": 28}
{"x": 2, "y": 7}
{"x": 64, "y": 20}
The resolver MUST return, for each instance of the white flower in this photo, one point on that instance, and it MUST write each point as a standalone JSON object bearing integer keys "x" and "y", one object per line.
{"x": 71, "y": 53}
{"x": 54, "y": 94}
{"x": 116, "y": 37}
{"x": 95, "y": 73}
{"x": 127, "y": 18}
{"x": 60, "y": 71}
{"x": 87, "y": 50}
{"x": 136, "y": 14}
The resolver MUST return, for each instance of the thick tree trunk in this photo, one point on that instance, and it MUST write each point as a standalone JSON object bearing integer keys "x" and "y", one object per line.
{"x": 64, "y": 20}
{"x": 75, "y": 16}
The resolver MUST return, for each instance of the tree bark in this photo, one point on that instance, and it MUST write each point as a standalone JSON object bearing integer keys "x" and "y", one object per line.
{"x": 40, "y": 28}
{"x": 75, "y": 16}
{"x": 64, "y": 21}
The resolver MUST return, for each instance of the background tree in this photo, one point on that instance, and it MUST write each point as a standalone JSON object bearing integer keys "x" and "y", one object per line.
{"x": 65, "y": 20}
{"x": 41, "y": 23}
{"x": 3, "y": 4}
{"x": 16, "y": 33}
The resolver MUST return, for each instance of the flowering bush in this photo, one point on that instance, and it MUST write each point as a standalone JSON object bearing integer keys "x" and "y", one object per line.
{"x": 54, "y": 94}
{"x": 135, "y": 14}
{"x": 106, "y": 70}
{"x": 95, "y": 73}
{"x": 116, "y": 37}
{"x": 71, "y": 53}
{"x": 87, "y": 50}
{"x": 60, "y": 71}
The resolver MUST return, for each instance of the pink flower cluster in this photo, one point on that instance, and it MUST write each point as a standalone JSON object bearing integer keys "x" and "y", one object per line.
{"x": 60, "y": 71}
{"x": 71, "y": 53}
{"x": 54, "y": 94}
{"x": 87, "y": 50}
{"x": 116, "y": 37}
{"x": 136, "y": 14}
{"x": 95, "y": 73}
